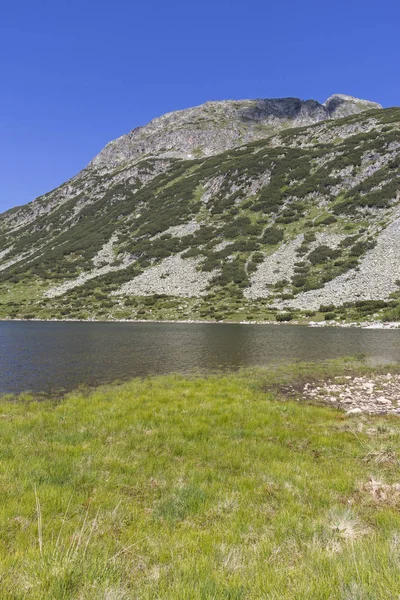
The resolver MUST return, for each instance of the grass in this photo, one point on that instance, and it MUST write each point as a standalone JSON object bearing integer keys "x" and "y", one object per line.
{"x": 197, "y": 488}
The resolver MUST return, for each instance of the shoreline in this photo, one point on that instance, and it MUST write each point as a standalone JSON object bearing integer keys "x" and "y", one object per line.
{"x": 393, "y": 325}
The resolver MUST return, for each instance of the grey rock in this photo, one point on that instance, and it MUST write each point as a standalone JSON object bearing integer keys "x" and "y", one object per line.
{"x": 354, "y": 411}
{"x": 340, "y": 105}
{"x": 214, "y": 127}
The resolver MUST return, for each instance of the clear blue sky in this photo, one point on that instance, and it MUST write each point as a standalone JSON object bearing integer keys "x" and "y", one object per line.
{"x": 77, "y": 73}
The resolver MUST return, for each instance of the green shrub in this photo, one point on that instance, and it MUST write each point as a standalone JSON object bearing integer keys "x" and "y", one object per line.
{"x": 328, "y": 220}
{"x": 361, "y": 247}
{"x": 322, "y": 254}
{"x": 309, "y": 237}
{"x": 286, "y": 316}
{"x": 367, "y": 306}
{"x": 210, "y": 264}
{"x": 191, "y": 253}
{"x": 299, "y": 281}
{"x": 130, "y": 302}
{"x": 272, "y": 235}
{"x": 301, "y": 270}
{"x": 245, "y": 245}
{"x": 327, "y": 308}
{"x": 329, "y": 316}
{"x": 302, "y": 249}
{"x": 392, "y": 315}
{"x": 232, "y": 272}
{"x": 258, "y": 257}
{"x": 280, "y": 284}
{"x": 348, "y": 241}
{"x": 241, "y": 226}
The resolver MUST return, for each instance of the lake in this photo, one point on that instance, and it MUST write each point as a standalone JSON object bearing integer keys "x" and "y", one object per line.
{"x": 44, "y": 357}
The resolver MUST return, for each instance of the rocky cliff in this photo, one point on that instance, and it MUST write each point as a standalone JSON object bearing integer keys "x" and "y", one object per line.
{"x": 230, "y": 210}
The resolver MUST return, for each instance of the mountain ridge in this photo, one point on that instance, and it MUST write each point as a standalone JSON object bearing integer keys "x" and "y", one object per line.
{"x": 271, "y": 113}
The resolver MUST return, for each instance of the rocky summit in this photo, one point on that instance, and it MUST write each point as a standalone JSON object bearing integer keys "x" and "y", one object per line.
{"x": 271, "y": 209}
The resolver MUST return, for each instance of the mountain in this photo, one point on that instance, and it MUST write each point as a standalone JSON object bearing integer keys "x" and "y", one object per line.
{"x": 252, "y": 209}
{"x": 218, "y": 126}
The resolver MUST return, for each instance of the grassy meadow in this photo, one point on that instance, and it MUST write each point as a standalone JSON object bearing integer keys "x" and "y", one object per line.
{"x": 198, "y": 487}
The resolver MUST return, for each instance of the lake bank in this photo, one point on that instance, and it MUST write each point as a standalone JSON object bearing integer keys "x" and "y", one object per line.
{"x": 361, "y": 324}
{"x": 196, "y": 487}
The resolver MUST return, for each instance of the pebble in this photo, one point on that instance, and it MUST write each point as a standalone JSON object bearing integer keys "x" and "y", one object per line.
{"x": 359, "y": 394}
{"x": 354, "y": 411}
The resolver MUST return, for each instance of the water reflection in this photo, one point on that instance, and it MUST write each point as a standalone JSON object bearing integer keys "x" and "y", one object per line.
{"x": 46, "y": 356}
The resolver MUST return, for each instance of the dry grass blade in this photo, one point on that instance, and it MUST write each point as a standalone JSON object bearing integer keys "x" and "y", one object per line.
{"x": 39, "y": 519}
{"x": 91, "y": 532}
{"x": 125, "y": 549}
{"x": 383, "y": 456}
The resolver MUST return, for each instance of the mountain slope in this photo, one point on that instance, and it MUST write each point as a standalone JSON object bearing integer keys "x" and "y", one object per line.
{"x": 227, "y": 210}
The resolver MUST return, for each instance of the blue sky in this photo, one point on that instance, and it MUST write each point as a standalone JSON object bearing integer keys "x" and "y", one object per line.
{"x": 77, "y": 73}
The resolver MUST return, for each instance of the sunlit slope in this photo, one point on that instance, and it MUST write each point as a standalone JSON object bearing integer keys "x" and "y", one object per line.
{"x": 301, "y": 218}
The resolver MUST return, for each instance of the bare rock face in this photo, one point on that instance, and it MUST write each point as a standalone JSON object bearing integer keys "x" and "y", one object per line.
{"x": 340, "y": 105}
{"x": 214, "y": 127}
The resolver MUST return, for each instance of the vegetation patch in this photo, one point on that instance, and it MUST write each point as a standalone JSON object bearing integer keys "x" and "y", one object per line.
{"x": 177, "y": 487}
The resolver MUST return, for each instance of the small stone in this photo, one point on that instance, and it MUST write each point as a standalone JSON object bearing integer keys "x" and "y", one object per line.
{"x": 383, "y": 400}
{"x": 354, "y": 411}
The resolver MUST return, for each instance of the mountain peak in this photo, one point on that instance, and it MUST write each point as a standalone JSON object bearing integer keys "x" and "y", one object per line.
{"x": 216, "y": 126}
{"x": 341, "y": 105}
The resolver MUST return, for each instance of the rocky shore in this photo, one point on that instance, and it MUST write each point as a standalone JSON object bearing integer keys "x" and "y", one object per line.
{"x": 377, "y": 395}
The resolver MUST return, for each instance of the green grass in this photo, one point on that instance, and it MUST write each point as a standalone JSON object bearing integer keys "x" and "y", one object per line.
{"x": 196, "y": 488}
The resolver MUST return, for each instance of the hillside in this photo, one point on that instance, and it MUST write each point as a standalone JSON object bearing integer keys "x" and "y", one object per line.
{"x": 253, "y": 209}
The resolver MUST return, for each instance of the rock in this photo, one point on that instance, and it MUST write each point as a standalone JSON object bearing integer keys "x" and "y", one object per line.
{"x": 382, "y": 400}
{"x": 357, "y": 395}
{"x": 173, "y": 276}
{"x": 343, "y": 106}
{"x": 354, "y": 411}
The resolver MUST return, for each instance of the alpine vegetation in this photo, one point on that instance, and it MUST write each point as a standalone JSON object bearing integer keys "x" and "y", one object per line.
{"x": 233, "y": 210}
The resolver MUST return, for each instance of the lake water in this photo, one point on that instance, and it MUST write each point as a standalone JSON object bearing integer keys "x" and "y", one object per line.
{"x": 40, "y": 356}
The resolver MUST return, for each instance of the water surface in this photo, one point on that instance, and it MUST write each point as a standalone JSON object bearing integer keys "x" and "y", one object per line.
{"x": 41, "y": 356}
